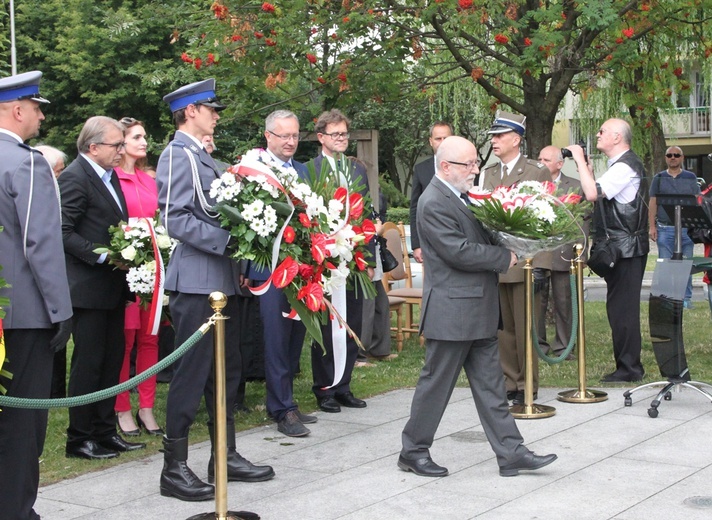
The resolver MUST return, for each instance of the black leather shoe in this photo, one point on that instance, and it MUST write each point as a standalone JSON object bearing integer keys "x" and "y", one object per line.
{"x": 306, "y": 419}
{"x": 511, "y": 394}
{"x": 328, "y": 404}
{"x": 90, "y": 450}
{"x": 424, "y": 467}
{"x": 291, "y": 426}
{"x": 618, "y": 377}
{"x": 519, "y": 398}
{"x": 529, "y": 462}
{"x": 116, "y": 443}
{"x": 349, "y": 401}
{"x": 239, "y": 469}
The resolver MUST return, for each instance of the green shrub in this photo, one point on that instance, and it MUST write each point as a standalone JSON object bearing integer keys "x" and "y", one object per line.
{"x": 398, "y": 215}
{"x": 395, "y": 198}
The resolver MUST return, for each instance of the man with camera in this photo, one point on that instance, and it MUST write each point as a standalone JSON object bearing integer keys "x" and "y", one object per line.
{"x": 619, "y": 195}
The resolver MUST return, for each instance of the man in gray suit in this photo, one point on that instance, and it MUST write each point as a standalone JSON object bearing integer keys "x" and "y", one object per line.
{"x": 459, "y": 320}
{"x": 560, "y": 274}
{"x": 38, "y": 319}
{"x": 199, "y": 265}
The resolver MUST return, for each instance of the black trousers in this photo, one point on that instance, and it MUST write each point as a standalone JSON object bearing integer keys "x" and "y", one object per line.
{"x": 323, "y": 364}
{"x": 22, "y": 432}
{"x": 623, "y": 307}
{"x": 96, "y": 363}
{"x": 193, "y": 375}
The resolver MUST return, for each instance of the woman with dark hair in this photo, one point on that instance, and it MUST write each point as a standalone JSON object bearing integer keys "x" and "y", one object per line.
{"x": 141, "y": 197}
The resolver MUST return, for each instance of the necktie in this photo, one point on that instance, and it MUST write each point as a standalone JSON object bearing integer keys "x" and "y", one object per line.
{"x": 107, "y": 182}
{"x": 465, "y": 198}
{"x": 504, "y": 171}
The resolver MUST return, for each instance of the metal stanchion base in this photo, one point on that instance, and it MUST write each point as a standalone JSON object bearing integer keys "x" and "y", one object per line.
{"x": 534, "y": 411}
{"x": 588, "y": 396}
{"x": 231, "y": 515}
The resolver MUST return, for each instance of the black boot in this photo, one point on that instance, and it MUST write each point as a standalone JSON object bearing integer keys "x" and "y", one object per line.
{"x": 177, "y": 479}
{"x": 239, "y": 469}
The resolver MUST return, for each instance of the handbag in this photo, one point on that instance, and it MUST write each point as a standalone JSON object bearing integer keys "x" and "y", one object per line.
{"x": 604, "y": 253}
{"x": 388, "y": 261}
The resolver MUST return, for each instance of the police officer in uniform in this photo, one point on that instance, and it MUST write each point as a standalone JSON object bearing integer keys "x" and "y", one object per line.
{"x": 38, "y": 319}
{"x": 199, "y": 265}
{"x": 507, "y": 132}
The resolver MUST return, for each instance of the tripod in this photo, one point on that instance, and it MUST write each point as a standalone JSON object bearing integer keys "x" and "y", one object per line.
{"x": 666, "y": 302}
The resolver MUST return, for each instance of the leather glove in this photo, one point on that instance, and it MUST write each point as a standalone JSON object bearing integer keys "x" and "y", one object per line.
{"x": 63, "y": 330}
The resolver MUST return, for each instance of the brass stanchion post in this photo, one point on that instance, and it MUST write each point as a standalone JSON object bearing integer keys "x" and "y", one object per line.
{"x": 218, "y": 301}
{"x": 530, "y": 410}
{"x": 582, "y": 395}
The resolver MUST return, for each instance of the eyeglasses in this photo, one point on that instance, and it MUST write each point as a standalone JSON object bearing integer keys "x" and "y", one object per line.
{"x": 671, "y": 155}
{"x": 338, "y": 135}
{"x": 469, "y": 164}
{"x": 285, "y": 137}
{"x": 117, "y": 146}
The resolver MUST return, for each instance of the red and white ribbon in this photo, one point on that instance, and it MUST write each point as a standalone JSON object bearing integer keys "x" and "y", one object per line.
{"x": 156, "y": 309}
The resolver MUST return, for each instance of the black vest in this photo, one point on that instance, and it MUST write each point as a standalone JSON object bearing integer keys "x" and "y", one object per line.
{"x": 627, "y": 223}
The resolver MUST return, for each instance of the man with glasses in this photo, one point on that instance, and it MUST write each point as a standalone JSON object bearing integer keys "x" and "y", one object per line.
{"x": 283, "y": 337}
{"x": 199, "y": 265}
{"x": 91, "y": 202}
{"x": 662, "y": 228}
{"x": 422, "y": 175}
{"x": 621, "y": 191}
{"x": 332, "y": 130}
{"x": 459, "y": 321}
{"x": 507, "y": 132}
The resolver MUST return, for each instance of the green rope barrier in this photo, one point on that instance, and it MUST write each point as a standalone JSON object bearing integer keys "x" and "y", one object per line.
{"x": 80, "y": 400}
{"x": 552, "y": 360}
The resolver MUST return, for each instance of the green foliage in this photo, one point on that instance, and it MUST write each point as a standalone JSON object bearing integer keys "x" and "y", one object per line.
{"x": 393, "y": 195}
{"x": 398, "y": 215}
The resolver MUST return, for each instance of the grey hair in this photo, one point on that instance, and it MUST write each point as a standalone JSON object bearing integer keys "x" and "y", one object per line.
{"x": 270, "y": 121}
{"x": 52, "y": 154}
{"x": 94, "y": 130}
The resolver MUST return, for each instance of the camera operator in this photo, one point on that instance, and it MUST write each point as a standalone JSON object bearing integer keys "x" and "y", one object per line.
{"x": 559, "y": 281}
{"x": 620, "y": 192}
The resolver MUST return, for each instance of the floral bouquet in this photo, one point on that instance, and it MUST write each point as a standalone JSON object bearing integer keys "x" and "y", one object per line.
{"x": 143, "y": 246}
{"x": 311, "y": 233}
{"x": 528, "y": 217}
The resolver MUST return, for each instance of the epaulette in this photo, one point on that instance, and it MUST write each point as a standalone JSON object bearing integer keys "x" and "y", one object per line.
{"x": 177, "y": 143}
{"x": 493, "y": 165}
{"x": 535, "y": 163}
{"x": 28, "y": 147}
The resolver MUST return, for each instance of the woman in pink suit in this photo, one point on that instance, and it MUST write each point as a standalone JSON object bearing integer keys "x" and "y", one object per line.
{"x": 141, "y": 197}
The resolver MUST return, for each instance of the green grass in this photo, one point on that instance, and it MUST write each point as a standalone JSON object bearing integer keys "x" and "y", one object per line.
{"x": 400, "y": 373}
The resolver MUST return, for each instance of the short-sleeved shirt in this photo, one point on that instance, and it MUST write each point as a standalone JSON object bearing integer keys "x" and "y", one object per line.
{"x": 620, "y": 182}
{"x": 662, "y": 216}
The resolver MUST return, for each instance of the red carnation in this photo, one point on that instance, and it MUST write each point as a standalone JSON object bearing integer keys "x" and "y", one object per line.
{"x": 304, "y": 220}
{"x": 267, "y": 7}
{"x": 306, "y": 271}
{"x": 311, "y": 59}
{"x": 289, "y": 235}
{"x": 285, "y": 272}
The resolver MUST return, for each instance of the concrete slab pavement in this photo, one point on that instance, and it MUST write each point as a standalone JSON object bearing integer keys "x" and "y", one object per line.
{"x": 615, "y": 462}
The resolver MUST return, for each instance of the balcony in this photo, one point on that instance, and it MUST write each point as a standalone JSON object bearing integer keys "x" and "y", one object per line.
{"x": 686, "y": 122}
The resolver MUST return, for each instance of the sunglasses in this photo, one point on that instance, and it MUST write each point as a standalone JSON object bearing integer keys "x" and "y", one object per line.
{"x": 671, "y": 155}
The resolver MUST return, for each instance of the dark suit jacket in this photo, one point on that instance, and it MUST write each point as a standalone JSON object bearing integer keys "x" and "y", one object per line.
{"x": 460, "y": 291}
{"x": 88, "y": 209}
{"x": 422, "y": 175}
{"x": 558, "y": 262}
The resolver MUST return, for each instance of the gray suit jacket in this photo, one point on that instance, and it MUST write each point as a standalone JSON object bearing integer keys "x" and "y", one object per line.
{"x": 460, "y": 297}
{"x": 199, "y": 264}
{"x": 39, "y": 293}
{"x": 422, "y": 175}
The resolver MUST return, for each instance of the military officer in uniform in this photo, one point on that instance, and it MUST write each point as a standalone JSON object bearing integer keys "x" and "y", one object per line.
{"x": 199, "y": 265}
{"x": 507, "y": 132}
{"x": 38, "y": 319}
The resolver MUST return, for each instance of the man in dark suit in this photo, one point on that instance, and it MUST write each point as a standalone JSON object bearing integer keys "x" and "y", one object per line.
{"x": 459, "y": 320}
{"x": 283, "y": 337}
{"x": 91, "y": 202}
{"x": 560, "y": 272}
{"x": 199, "y": 265}
{"x": 507, "y": 132}
{"x": 422, "y": 175}
{"x": 38, "y": 320}
{"x": 332, "y": 130}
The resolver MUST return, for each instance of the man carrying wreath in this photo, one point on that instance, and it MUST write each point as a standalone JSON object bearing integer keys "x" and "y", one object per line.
{"x": 199, "y": 265}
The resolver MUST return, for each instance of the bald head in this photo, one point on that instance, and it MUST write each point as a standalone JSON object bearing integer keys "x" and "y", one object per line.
{"x": 552, "y": 158}
{"x": 614, "y": 137}
{"x": 456, "y": 161}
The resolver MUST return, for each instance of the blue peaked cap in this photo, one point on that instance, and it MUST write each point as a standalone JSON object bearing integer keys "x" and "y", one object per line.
{"x": 22, "y": 86}
{"x": 198, "y": 93}
{"x": 508, "y": 122}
